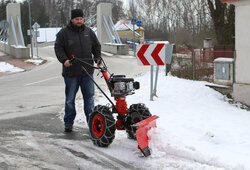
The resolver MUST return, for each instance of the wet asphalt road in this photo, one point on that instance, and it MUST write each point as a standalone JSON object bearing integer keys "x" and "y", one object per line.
{"x": 31, "y": 132}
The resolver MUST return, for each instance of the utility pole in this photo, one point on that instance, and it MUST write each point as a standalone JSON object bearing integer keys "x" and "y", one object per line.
{"x": 31, "y": 32}
{"x": 133, "y": 15}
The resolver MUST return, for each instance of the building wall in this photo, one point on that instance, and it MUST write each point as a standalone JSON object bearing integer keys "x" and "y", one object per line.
{"x": 242, "y": 44}
{"x": 125, "y": 34}
{"x": 241, "y": 87}
{"x": 129, "y": 34}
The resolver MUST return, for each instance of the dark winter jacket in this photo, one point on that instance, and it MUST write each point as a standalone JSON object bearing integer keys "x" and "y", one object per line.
{"x": 80, "y": 42}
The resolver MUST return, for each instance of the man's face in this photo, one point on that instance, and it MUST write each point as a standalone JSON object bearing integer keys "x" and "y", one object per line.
{"x": 78, "y": 21}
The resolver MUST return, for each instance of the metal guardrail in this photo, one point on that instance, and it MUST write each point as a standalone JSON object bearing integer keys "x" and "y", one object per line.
{"x": 108, "y": 31}
{"x": 4, "y": 25}
{"x": 20, "y": 30}
{"x": 129, "y": 41}
{"x": 117, "y": 38}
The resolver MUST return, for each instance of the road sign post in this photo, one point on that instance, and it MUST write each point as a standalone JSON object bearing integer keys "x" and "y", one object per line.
{"x": 154, "y": 54}
{"x": 36, "y": 26}
{"x": 133, "y": 22}
{"x": 31, "y": 34}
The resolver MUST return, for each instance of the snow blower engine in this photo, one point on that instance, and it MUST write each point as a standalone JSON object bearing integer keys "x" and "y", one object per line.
{"x": 136, "y": 119}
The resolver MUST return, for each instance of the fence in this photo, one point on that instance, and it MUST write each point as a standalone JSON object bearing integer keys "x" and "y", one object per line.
{"x": 194, "y": 64}
{"x": 197, "y": 64}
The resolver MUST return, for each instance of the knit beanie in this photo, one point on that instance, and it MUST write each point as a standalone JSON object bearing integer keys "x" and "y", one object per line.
{"x": 76, "y": 13}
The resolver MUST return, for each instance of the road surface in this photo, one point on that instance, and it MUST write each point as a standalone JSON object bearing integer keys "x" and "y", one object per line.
{"x": 31, "y": 132}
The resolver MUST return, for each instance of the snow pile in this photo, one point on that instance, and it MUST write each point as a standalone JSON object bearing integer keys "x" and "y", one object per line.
{"x": 196, "y": 122}
{"x": 6, "y": 67}
{"x": 196, "y": 126}
{"x": 34, "y": 61}
{"x": 126, "y": 56}
{"x": 106, "y": 53}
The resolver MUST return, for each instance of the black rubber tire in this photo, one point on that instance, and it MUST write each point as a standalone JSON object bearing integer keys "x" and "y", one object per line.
{"x": 102, "y": 126}
{"x": 136, "y": 113}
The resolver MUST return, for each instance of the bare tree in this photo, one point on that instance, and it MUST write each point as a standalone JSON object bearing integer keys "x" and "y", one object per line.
{"x": 223, "y": 19}
{"x": 175, "y": 17}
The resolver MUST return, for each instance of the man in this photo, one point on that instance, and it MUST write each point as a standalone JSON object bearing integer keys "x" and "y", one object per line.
{"x": 79, "y": 41}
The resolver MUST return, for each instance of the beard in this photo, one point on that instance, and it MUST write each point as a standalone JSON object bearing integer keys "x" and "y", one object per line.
{"x": 79, "y": 24}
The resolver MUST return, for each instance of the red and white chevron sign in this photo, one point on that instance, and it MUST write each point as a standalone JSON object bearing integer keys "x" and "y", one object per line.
{"x": 151, "y": 54}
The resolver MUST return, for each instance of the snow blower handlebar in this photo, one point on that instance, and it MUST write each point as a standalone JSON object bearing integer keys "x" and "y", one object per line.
{"x": 104, "y": 72}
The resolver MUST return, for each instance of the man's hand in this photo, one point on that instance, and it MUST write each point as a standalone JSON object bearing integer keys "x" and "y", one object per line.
{"x": 99, "y": 63}
{"x": 67, "y": 63}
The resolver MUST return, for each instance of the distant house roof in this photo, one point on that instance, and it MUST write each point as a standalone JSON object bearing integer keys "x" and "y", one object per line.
{"x": 125, "y": 25}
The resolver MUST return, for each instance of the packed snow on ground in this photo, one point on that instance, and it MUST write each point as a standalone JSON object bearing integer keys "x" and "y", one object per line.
{"x": 6, "y": 67}
{"x": 197, "y": 128}
{"x": 120, "y": 56}
{"x": 126, "y": 56}
{"x": 161, "y": 42}
{"x": 107, "y": 54}
{"x": 34, "y": 61}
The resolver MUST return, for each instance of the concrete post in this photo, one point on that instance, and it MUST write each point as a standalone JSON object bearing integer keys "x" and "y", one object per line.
{"x": 14, "y": 10}
{"x": 103, "y": 8}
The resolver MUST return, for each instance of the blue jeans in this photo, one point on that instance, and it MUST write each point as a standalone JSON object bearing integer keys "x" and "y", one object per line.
{"x": 72, "y": 85}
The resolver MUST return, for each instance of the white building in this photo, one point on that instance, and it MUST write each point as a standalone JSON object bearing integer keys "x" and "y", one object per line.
{"x": 241, "y": 87}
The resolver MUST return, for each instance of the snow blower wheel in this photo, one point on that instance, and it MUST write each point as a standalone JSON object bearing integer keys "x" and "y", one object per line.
{"x": 136, "y": 113}
{"x": 102, "y": 126}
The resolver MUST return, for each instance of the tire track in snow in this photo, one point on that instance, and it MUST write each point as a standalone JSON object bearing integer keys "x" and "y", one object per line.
{"x": 96, "y": 156}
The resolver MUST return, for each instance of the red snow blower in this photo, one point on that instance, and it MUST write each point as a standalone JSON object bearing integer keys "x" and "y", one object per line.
{"x": 136, "y": 119}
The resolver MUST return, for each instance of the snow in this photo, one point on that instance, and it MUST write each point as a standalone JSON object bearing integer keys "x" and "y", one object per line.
{"x": 161, "y": 42}
{"x": 18, "y": 46}
{"x": 117, "y": 44}
{"x": 126, "y": 56}
{"x": 221, "y": 59}
{"x": 197, "y": 128}
{"x": 107, "y": 54}
{"x": 120, "y": 56}
{"x": 6, "y": 67}
{"x": 125, "y": 25}
{"x": 34, "y": 61}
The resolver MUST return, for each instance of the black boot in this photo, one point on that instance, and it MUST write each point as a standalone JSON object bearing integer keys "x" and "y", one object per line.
{"x": 68, "y": 128}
